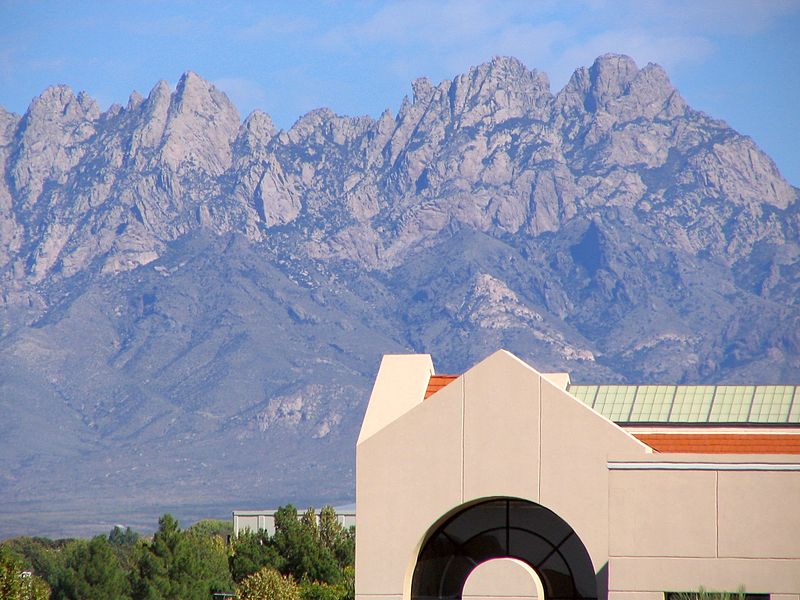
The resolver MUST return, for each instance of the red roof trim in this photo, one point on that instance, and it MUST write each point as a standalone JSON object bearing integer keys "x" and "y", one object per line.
{"x": 437, "y": 382}
{"x": 722, "y": 443}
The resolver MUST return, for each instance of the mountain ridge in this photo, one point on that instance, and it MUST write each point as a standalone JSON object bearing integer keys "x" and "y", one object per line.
{"x": 199, "y": 300}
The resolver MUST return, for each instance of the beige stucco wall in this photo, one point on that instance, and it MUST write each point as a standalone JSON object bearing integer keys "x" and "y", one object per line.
{"x": 697, "y": 520}
{"x": 662, "y": 513}
{"x": 502, "y": 429}
{"x": 759, "y": 515}
{"x": 501, "y": 454}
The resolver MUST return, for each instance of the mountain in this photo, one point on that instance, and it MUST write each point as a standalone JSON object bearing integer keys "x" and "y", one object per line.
{"x": 193, "y": 307}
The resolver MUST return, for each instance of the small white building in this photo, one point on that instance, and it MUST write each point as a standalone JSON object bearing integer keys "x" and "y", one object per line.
{"x": 264, "y": 520}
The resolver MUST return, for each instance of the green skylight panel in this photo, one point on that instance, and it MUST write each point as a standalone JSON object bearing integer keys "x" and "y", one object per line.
{"x": 615, "y": 401}
{"x": 692, "y": 404}
{"x": 794, "y": 412}
{"x": 652, "y": 403}
{"x": 771, "y": 404}
{"x": 732, "y": 403}
{"x": 584, "y": 393}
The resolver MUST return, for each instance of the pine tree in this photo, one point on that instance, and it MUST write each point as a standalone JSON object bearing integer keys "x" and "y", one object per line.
{"x": 251, "y": 552}
{"x": 336, "y": 538}
{"x": 93, "y": 572}
{"x": 298, "y": 543}
{"x": 180, "y": 566}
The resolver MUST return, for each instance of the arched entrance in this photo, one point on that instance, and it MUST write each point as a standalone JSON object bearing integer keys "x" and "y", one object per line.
{"x": 501, "y": 528}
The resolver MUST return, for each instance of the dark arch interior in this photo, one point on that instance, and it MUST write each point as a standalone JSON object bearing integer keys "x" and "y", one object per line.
{"x": 504, "y": 528}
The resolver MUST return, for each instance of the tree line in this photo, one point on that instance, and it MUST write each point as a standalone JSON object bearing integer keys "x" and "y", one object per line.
{"x": 309, "y": 557}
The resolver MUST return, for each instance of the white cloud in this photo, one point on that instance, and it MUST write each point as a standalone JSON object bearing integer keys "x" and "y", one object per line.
{"x": 449, "y": 36}
{"x": 432, "y": 24}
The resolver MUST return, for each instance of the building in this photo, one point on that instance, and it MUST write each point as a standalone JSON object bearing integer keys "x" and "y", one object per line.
{"x": 506, "y": 482}
{"x": 264, "y": 520}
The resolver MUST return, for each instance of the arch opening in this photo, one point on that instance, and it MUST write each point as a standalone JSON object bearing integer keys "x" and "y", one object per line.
{"x": 503, "y": 579}
{"x": 504, "y": 528}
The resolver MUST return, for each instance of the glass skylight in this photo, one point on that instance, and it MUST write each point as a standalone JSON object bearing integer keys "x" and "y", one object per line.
{"x": 693, "y": 403}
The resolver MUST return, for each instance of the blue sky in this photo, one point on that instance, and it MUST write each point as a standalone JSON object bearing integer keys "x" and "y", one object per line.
{"x": 737, "y": 60}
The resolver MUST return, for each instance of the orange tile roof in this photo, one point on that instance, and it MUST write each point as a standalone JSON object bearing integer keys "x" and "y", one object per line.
{"x": 722, "y": 443}
{"x": 437, "y": 382}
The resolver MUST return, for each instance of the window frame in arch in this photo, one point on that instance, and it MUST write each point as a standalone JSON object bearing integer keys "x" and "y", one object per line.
{"x": 504, "y": 528}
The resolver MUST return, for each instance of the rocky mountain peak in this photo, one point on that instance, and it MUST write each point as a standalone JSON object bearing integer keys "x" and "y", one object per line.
{"x": 160, "y": 95}
{"x": 192, "y": 128}
{"x": 152, "y": 119}
{"x": 134, "y": 100}
{"x": 51, "y": 133}
{"x": 610, "y": 75}
{"x": 255, "y": 133}
{"x": 311, "y": 121}
{"x": 8, "y": 123}
{"x": 422, "y": 89}
{"x": 501, "y": 89}
{"x": 192, "y": 84}
{"x": 650, "y": 93}
{"x": 508, "y": 71}
{"x": 193, "y": 94}
{"x": 59, "y": 102}
{"x": 615, "y": 85}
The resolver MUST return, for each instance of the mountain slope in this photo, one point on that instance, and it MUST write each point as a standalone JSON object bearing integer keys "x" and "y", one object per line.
{"x": 192, "y": 308}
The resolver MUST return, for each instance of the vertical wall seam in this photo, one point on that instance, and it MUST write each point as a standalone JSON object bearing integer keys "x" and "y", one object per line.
{"x": 716, "y": 508}
{"x": 539, "y": 465}
{"x": 463, "y": 410}
{"x": 608, "y": 513}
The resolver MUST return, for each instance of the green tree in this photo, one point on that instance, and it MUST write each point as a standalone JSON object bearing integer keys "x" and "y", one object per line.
{"x": 123, "y": 537}
{"x": 268, "y": 584}
{"x": 309, "y": 523}
{"x": 35, "y": 588}
{"x": 151, "y": 578}
{"x": 298, "y": 544}
{"x": 211, "y": 527}
{"x": 180, "y": 566}
{"x": 314, "y": 590}
{"x": 124, "y": 542}
{"x": 208, "y": 555}
{"x": 251, "y": 552}
{"x": 10, "y": 574}
{"x": 93, "y": 572}
{"x": 15, "y": 582}
{"x": 45, "y": 557}
{"x": 348, "y": 583}
{"x": 333, "y": 535}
